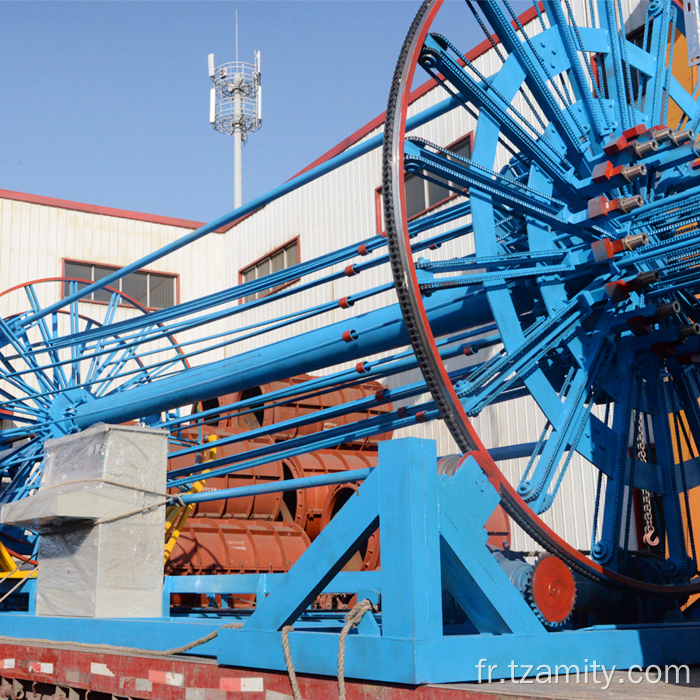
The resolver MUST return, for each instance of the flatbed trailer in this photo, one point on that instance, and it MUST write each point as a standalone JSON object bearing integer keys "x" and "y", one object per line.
{"x": 46, "y": 672}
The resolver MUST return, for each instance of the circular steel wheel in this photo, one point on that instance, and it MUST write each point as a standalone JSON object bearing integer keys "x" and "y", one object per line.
{"x": 62, "y": 360}
{"x": 577, "y": 219}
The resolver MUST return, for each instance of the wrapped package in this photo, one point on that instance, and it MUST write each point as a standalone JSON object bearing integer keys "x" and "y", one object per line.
{"x": 100, "y": 514}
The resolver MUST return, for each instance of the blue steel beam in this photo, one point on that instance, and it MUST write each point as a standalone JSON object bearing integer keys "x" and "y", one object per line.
{"x": 307, "y": 482}
{"x": 255, "y": 204}
{"x": 377, "y": 331}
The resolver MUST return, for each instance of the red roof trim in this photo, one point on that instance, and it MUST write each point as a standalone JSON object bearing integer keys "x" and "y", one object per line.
{"x": 475, "y": 53}
{"x": 105, "y": 211}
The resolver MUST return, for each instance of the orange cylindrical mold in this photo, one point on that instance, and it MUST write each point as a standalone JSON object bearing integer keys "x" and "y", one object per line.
{"x": 220, "y": 546}
{"x": 260, "y": 507}
{"x": 295, "y": 407}
{"x": 305, "y": 506}
{"x": 367, "y": 556}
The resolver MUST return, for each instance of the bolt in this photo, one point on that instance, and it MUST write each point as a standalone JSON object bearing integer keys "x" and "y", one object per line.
{"x": 525, "y": 489}
{"x": 642, "y": 149}
{"x": 635, "y": 240}
{"x": 644, "y": 279}
{"x": 632, "y": 172}
{"x": 673, "y": 567}
{"x": 664, "y": 310}
{"x": 628, "y": 204}
{"x": 601, "y": 552}
{"x": 680, "y": 137}
{"x": 689, "y": 331}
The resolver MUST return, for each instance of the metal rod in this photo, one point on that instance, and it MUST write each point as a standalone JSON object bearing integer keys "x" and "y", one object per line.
{"x": 306, "y": 482}
{"x": 238, "y": 213}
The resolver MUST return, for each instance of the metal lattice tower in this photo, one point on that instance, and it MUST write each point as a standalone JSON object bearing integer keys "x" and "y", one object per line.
{"x": 235, "y": 107}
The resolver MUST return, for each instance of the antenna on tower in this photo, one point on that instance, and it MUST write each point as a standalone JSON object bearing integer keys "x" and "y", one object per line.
{"x": 235, "y": 106}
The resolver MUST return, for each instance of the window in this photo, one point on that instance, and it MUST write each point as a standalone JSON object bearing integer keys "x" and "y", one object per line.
{"x": 278, "y": 259}
{"x": 422, "y": 195}
{"x": 153, "y": 290}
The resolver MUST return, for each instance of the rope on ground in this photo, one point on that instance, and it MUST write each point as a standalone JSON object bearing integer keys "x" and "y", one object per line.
{"x": 108, "y": 648}
{"x": 290, "y": 664}
{"x": 352, "y": 619}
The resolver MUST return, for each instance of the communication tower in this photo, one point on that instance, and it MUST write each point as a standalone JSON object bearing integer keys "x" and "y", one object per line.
{"x": 235, "y": 106}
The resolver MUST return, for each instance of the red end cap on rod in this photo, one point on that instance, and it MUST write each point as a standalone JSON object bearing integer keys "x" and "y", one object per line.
{"x": 635, "y": 131}
{"x": 380, "y": 396}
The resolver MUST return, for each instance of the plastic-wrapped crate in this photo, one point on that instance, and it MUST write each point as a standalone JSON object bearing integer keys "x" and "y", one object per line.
{"x": 88, "y": 566}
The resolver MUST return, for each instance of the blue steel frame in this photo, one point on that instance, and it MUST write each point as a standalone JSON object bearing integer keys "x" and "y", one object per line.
{"x": 431, "y": 527}
{"x": 432, "y": 536}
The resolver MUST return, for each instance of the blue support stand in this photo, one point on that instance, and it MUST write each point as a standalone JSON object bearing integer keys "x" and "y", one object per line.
{"x": 432, "y": 539}
{"x": 432, "y": 535}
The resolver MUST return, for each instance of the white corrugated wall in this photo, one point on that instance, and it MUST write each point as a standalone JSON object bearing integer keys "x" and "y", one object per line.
{"x": 36, "y": 238}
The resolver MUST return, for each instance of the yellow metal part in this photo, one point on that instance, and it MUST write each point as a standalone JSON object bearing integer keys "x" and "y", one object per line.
{"x": 23, "y": 574}
{"x": 7, "y": 563}
{"x": 9, "y": 568}
{"x": 176, "y": 530}
{"x": 177, "y": 516}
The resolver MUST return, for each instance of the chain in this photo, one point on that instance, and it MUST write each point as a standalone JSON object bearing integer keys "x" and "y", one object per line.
{"x": 406, "y": 293}
{"x": 649, "y": 530}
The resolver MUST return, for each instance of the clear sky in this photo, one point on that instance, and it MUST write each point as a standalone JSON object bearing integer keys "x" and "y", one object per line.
{"x": 108, "y": 102}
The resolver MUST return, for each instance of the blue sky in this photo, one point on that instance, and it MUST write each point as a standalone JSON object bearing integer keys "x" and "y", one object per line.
{"x": 107, "y": 102}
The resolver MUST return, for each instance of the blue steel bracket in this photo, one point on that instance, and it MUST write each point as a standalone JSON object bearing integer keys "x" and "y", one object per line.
{"x": 432, "y": 535}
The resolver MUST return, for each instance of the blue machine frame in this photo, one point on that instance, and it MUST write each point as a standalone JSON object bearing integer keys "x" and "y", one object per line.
{"x": 432, "y": 536}
{"x": 583, "y": 280}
